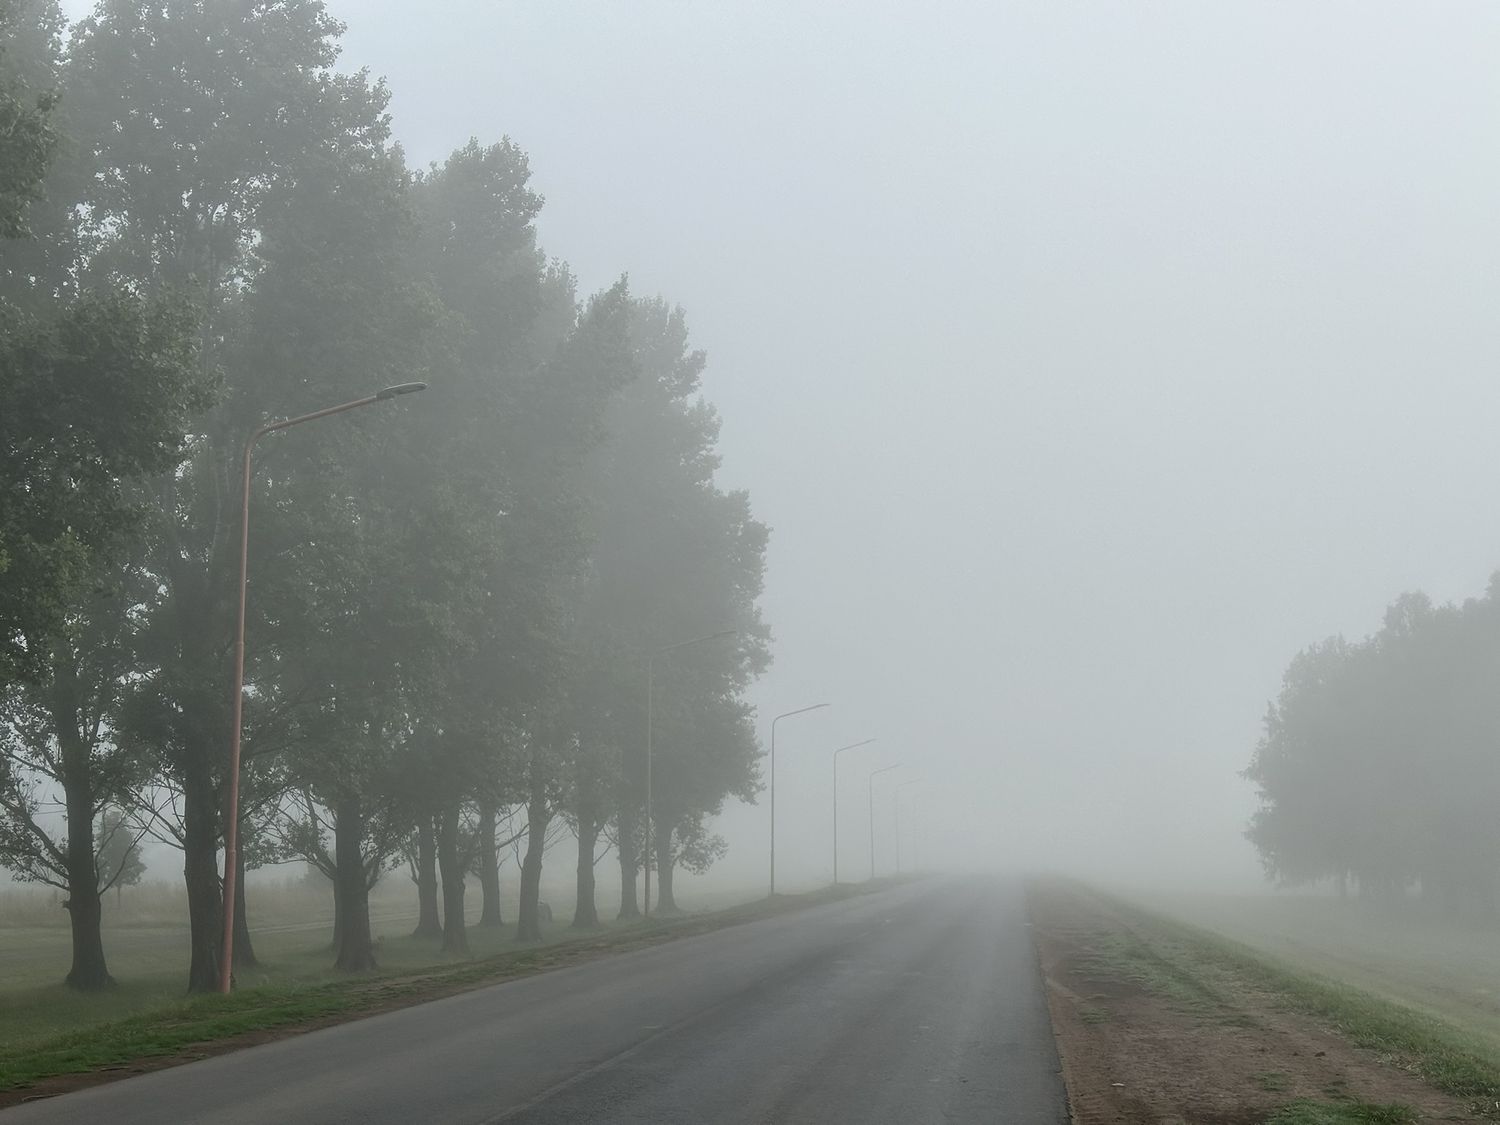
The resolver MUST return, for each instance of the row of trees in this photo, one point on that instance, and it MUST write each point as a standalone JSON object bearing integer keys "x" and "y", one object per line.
{"x": 1379, "y": 762}
{"x": 207, "y": 226}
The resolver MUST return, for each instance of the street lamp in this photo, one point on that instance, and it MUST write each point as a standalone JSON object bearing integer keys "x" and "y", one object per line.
{"x": 896, "y": 798}
{"x": 873, "y": 776}
{"x": 836, "y": 753}
{"x": 232, "y": 805}
{"x": 777, "y": 719}
{"x": 650, "y": 679}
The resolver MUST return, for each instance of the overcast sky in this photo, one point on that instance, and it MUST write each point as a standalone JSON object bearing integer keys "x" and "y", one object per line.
{"x": 1087, "y": 360}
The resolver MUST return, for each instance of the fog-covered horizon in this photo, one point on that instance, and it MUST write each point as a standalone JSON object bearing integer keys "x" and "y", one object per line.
{"x": 1086, "y": 363}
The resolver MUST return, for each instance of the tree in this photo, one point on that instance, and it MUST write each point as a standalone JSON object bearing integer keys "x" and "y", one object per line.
{"x": 530, "y": 377}
{"x": 58, "y": 755}
{"x": 119, "y": 852}
{"x": 98, "y": 385}
{"x": 1377, "y": 764}
{"x": 97, "y": 398}
{"x": 243, "y": 107}
{"x": 673, "y": 557}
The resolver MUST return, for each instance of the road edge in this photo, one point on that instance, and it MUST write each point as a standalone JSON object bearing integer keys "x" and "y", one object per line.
{"x": 208, "y": 1033}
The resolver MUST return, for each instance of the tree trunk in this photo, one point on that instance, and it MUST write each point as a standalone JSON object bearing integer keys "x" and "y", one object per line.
{"x": 585, "y": 911}
{"x": 455, "y": 939}
{"x": 489, "y": 870}
{"x": 338, "y": 917}
{"x": 356, "y": 950}
{"x": 665, "y": 865}
{"x": 629, "y": 906}
{"x": 529, "y": 927}
{"x": 200, "y": 869}
{"x": 244, "y": 952}
{"x": 88, "y": 972}
{"x": 429, "y": 922}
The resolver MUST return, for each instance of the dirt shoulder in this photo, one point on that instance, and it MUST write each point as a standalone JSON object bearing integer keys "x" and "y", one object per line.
{"x": 1152, "y": 1027}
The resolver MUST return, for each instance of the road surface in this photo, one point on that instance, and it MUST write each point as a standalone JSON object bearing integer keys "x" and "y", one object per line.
{"x": 917, "y": 1004}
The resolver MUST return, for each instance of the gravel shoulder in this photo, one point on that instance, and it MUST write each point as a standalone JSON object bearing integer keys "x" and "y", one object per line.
{"x": 1154, "y": 1027}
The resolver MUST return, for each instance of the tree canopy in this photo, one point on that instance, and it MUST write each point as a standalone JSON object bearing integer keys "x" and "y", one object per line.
{"x": 205, "y": 226}
{"x": 1378, "y": 760}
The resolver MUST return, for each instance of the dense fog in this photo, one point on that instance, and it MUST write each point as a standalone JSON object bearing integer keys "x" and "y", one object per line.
{"x": 1086, "y": 364}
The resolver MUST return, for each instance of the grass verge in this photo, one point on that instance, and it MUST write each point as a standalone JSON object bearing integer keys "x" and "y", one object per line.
{"x": 1303, "y": 1112}
{"x": 201, "y": 1025}
{"x": 1444, "y": 1055}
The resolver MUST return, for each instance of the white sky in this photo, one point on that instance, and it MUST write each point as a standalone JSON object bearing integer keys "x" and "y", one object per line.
{"x": 1087, "y": 360}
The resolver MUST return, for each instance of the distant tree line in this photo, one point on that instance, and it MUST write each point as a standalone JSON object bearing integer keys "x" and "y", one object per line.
{"x": 205, "y": 226}
{"x": 1380, "y": 764}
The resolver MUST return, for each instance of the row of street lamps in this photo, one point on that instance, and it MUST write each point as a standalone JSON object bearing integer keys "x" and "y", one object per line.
{"x": 648, "y": 833}
{"x": 871, "y": 784}
{"x": 231, "y": 825}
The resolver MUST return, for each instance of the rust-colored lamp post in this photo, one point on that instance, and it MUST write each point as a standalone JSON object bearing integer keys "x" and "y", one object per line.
{"x": 232, "y": 804}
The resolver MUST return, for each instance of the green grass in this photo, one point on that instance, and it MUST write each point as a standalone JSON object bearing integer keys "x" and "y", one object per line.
{"x": 1445, "y": 1055}
{"x": 150, "y": 1017}
{"x": 1304, "y": 1112}
{"x": 1126, "y": 956}
{"x": 1448, "y": 1057}
{"x": 150, "y": 964}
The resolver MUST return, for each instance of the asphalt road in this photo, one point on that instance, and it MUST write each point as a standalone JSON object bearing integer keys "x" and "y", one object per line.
{"x": 918, "y": 1004}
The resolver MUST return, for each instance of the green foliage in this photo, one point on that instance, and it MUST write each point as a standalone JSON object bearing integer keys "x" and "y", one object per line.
{"x": 29, "y": 45}
{"x": 674, "y": 557}
{"x": 96, "y": 396}
{"x": 58, "y": 753}
{"x": 1305, "y": 1112}
{"x": 448, "y": 598}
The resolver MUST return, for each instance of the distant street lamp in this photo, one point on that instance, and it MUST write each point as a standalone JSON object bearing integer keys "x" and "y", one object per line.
{"x": 232, "y": 805}
{"x": 650, "y": 690}
{"x": 896, "y": 798}
{"x": 873, "y": 776}
{"x": 777, "y": 719}
{"x": 836, "y": 753}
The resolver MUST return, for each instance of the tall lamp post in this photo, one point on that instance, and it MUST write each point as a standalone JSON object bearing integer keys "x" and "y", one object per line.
{"x": 650, "y": 692}
{"x": 836, "y": 753}
{"x": 896, "y": 797}
{"x": 232, "y": 805}
{"x": 774, "y": 721}
{"x": 874, "y": 774}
